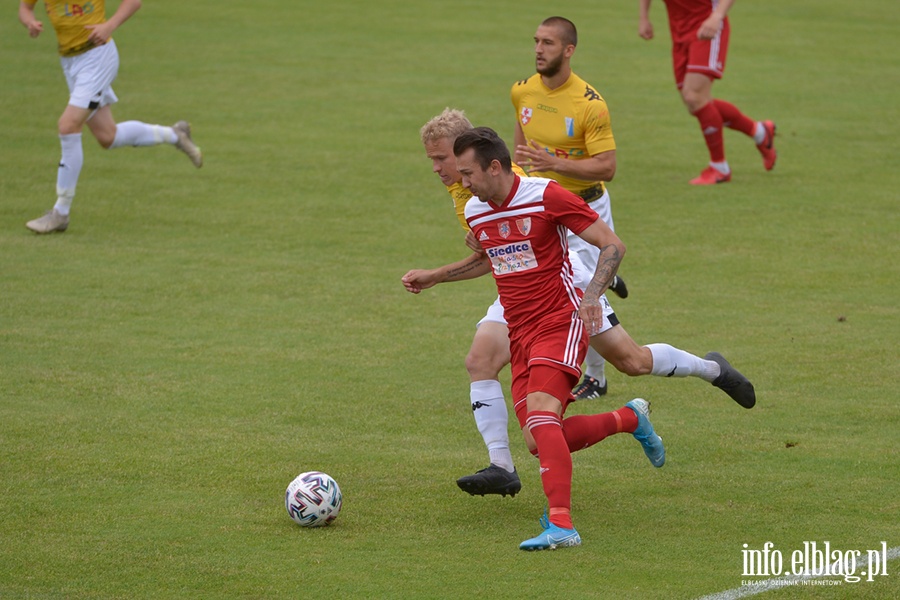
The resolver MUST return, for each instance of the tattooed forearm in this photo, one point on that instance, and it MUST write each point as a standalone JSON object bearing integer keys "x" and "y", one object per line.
{"x": 475, "y": 266}
{"x": 607, "y": 265}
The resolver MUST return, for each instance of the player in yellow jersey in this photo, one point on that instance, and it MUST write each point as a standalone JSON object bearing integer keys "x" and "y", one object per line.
{"x": 563, "y": 132}
{"x": 90, "y": 62}
{"x": 489, "y": 352}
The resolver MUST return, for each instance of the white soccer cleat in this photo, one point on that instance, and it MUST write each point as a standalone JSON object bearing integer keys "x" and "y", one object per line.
{"x": 186, "y": 144}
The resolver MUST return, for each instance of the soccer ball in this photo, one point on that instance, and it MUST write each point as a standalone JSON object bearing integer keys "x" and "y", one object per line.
{"x": 313, "y": 499}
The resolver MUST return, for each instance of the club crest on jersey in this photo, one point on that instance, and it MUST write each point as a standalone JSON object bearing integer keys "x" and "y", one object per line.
{"x": 483, "y": 237}
{"x": 524, "y": 225}
{"x": 526, "y": 115}
{"x": 504, "y": 229}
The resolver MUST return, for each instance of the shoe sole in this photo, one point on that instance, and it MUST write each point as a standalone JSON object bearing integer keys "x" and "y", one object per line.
{"x": 724, "y": 365}
{"x": 771, "y": 147}
{"x": 478, "y": 490}
{"x": 641, "y": 416}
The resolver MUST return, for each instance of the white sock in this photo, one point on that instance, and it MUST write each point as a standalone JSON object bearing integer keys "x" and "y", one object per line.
{"x": 136, "y": 133}
{"x": 721, "y": 167}
{"x": 759, "y": 135}
{"x": 69, "y": 169}
{"x": 594, "y": 365}
{"x": 491, "y": 417}
{"x": 669, "y": 361}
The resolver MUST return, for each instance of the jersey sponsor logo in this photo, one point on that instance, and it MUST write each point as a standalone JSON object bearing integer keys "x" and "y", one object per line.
{"x": 549, "y": 109}
{"x": 512, "y": 258}
{"x": 74, "y": 10}
{"x": 483, "y": 237}
{"x": 524, "y": 225}
{"x": 503, "y": 227}
{"x": 570, "y": 127}
{"x": 526, "y": 115}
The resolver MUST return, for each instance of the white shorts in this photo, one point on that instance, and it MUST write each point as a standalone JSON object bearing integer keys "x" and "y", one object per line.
{"x": 589, "y": 253}
{"x": 582, "y": 278}
{"x": 90, "y": 76}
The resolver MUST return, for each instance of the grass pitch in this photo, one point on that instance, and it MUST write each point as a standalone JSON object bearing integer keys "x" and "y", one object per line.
{"x": 198, "y": 338}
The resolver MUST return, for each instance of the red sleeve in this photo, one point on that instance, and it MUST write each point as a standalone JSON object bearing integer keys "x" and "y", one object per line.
{"x": 568, "y": 209}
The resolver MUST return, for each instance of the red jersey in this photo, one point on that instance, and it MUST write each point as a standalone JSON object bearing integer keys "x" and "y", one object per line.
{"x": 686, "y": 16}
{"x": 525, "y": 239}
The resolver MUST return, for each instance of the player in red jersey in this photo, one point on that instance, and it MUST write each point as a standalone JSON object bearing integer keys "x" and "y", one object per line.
{"x": 700, "y": 32}
{"x": 522, "y": 223}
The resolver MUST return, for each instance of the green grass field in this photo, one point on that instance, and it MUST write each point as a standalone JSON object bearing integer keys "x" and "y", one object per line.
{"x": 198, "y": 338}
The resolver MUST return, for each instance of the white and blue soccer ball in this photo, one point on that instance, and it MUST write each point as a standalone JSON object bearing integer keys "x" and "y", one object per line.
{"x": 313, "y": 499}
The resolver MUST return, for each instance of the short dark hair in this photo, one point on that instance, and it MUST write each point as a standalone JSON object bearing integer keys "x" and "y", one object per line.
{"x": 488, "y": 147}
{"x": 566, "y": 27}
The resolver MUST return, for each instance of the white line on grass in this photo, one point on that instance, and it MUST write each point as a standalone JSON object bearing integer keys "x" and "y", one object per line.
{"x": 767, "y": 585}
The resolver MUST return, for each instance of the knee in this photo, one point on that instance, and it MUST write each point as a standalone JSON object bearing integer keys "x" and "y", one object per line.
{"x": 66, "y": 126}
{"x": 693, "y": 100}
{"x": 481, "y": 365}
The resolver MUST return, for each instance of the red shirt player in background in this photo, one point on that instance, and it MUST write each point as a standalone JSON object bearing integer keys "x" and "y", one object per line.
{"x": 521, "y": 223}
{"x": 699, "y": 44}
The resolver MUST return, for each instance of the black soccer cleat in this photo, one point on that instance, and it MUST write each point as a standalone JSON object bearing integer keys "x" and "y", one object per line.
{"x": 589, "y": 389}
{"x": 619, "y": 287}
{"x": 491, "y": 480}
{"x": 732, "y": 382}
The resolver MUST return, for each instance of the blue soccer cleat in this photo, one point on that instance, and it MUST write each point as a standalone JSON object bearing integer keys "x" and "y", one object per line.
{"x": 652, "y": 443}
{"x": 551, "y": 538}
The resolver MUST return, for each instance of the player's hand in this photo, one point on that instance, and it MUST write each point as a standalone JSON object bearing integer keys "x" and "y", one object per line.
{"x": 418, "y": 279}
{"x": 645, "y": 30}
{"x": 101, "y": 33}
{"x": 35, "y": 28}
{"x": 533, "y": 158}
{"x": 472, "y": 243}
{"x": 710, "y": 27}
{"x": 591, "y": 312}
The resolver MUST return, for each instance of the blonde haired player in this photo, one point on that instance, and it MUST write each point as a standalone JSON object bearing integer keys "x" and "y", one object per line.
{"x": 90, "y": 62}
{"x": 489, "y": 352}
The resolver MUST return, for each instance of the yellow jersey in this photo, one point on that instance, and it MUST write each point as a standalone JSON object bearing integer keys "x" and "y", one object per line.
{"x": 69, "y": 19}
{"x": 462, "y": 195}
{"x": 571, "y": 121}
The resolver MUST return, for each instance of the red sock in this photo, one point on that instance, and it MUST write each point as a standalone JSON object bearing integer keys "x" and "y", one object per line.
{"x": 556, "y": 464}
{"x": 733, "y": 118}
{"x": 711, "y": 125}
{"x": 583, "y": 431}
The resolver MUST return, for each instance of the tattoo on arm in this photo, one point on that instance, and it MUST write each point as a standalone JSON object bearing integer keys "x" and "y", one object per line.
{"x": 607, "y": 265}
{"x": 473, "y": 264}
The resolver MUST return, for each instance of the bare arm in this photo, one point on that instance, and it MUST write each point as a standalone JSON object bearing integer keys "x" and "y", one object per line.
{"x": 100, "y": 34}
{"x": 645, "y": 27}
{"x": 27, "y": 18}
{"x": 476, "y": 265}
{"x": 612, "y": 250}
{"x": 599, "y": 167}
{"x": 713, "y": 24}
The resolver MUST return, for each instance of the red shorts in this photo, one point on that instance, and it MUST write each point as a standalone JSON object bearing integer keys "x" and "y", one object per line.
{"x": 691, "y": 55}
{"x": 547, "y": 359}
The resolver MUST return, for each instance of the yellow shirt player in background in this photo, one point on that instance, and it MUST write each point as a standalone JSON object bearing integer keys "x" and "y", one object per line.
{"x": 563, "y": 132}
{"x": 90, "y": 62}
